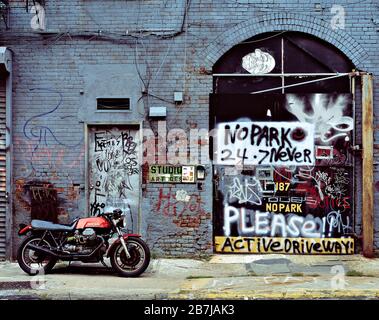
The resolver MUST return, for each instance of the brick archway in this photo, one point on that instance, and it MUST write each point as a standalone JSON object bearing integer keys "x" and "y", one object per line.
{"x": 284, "y": 22}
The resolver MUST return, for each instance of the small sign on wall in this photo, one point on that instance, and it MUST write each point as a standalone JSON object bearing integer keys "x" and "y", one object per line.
{"x": 171, "y": 174}
{"x": 188, "y": 174}
{"x": 265, "y": 143}
{"x": 165, "y": 173}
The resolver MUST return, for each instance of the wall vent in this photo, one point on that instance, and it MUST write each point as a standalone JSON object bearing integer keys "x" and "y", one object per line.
{"x": 109, "y": 104}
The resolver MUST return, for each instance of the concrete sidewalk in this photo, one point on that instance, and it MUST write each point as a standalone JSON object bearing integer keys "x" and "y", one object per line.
{"x": 273, "y": 276}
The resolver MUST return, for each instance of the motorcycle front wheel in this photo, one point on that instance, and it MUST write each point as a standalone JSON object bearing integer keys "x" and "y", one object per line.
{"x": 33, "y": 262}
{"x": 137, "y": 263}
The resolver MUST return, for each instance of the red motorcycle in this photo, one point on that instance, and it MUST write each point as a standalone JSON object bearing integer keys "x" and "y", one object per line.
{"x": 85, "y": 240}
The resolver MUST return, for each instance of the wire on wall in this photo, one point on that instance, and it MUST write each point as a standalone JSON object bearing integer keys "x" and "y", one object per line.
{"x": 146, "y": 81}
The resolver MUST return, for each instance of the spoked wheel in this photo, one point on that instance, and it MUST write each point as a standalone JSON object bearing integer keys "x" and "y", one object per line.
{"x": 33, "y": 262}
{"x": 138, "y": 261}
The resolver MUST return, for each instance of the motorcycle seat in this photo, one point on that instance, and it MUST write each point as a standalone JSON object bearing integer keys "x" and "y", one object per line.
{"x": 46, "y": 225}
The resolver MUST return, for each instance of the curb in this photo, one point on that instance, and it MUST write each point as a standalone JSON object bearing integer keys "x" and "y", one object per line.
{"x": 300, "y": 294}
{"x": 16, "y": 285}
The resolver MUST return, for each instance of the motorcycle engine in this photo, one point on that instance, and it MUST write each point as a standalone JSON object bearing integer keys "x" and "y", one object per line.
{"x": 86, "y": 236}
{"x": 82, "y": 242}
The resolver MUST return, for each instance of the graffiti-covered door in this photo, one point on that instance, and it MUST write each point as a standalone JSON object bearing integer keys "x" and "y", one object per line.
{"x": 114, "y": 171}
{"x": 283, "y": 173}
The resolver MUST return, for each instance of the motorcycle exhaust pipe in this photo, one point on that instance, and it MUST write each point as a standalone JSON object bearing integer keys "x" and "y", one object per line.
{"x": 43, "y": 250}
{"x": 62, "y": 256}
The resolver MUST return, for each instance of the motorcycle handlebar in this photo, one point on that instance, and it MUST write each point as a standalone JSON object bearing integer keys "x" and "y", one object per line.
{"x": 116, "y": 213}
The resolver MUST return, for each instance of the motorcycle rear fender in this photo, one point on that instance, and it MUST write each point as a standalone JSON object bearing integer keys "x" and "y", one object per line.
{"x": 116, "y": 242}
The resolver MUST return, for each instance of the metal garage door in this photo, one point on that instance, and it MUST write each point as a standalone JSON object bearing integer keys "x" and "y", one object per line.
{"x": 2, "y": 171}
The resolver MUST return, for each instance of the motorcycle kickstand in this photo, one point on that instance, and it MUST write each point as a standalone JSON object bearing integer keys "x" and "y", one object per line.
{"x": 104, "y": 264}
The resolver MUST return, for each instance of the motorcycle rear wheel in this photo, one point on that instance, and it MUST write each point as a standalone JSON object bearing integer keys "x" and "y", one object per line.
{"x": 32, "y": 262}
{"x": 136, "y": 264}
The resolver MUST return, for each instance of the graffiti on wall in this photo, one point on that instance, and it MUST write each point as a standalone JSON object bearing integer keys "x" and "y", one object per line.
{"x": 330, "y": 116}
{"x": 285, "y": 245}
{"x": 37, "y": 127}
{"x": 294, "y": 189}
{"x": 182, "y": 214}
{"x": 258, "y": 62}
{"x": 263, "y": 143}
{"x": 185, "y": 209}
{"x": 36, "y": 158}
{"x": 312, "y": 204}
{"x": 46, "y": 159}
{"x": 43, "y": 147}
{"x": 114, "y": 171}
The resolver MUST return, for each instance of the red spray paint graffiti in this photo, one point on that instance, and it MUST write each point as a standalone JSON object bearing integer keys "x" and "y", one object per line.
{"x": 184, "y": 213}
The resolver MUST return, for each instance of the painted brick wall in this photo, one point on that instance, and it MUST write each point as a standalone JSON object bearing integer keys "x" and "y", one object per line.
{"x": 173, "y": 54}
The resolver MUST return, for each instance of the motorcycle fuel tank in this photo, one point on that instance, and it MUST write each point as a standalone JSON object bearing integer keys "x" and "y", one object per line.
{"x": 93, "y": 222}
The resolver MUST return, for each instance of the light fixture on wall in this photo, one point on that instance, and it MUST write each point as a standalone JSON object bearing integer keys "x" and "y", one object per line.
{"x": 157, "y": 112}
{"x": 200, "y": 172}
{"x": 178, "y": 97}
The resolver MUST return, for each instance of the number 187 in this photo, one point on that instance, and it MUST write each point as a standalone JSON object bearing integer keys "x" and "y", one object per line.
{"x": 282, "y": 186}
